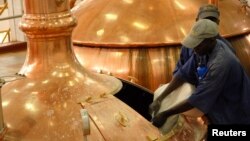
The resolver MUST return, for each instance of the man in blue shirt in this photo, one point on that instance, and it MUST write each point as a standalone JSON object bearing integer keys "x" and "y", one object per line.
{"x": 212, "y": 13}
{"x": 222, "y": 86}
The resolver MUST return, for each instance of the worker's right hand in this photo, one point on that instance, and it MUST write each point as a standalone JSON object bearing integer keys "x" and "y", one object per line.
{"x": 154, "y": 107}
{"x": 159, "y": 119}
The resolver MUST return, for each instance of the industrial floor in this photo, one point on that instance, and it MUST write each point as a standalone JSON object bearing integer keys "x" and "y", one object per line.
{"x": 11, "y": 62}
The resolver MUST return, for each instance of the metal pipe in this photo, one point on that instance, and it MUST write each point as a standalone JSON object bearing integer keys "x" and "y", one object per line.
{"x": 11, "y": 17}
{"x": 86, "y": 123}
{"x": 2, "y": 82}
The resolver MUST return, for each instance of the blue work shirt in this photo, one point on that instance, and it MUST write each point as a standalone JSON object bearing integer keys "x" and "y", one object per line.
{"x": 186, "y": 53}
{"x": 223, "y": 94}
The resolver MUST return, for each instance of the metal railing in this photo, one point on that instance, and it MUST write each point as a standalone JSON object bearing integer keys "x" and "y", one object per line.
{"x": 6, "y": 34}
{"x": 3, "y": 7}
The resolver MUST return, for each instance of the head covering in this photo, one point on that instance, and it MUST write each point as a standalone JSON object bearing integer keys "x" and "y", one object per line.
{"x": 201, "y": 30}
{"x": 208, "y": 10}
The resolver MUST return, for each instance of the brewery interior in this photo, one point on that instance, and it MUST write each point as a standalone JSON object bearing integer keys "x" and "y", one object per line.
{"x": 87, "y": 69}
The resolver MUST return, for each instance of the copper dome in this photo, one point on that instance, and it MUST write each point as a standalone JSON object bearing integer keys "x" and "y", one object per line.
{"x": 139, "y": 40}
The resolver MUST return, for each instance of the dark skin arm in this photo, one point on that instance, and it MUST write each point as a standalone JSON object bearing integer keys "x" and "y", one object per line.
{"x": 160, "y": 118}
{"x": 175, "y": 83}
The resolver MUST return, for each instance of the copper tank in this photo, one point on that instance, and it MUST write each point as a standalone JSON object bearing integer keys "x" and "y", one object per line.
{"x": 45, "y": 105}
{"x": 139, "y": 40}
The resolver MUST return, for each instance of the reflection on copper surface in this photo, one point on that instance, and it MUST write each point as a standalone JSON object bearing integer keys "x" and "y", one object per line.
{"x": 215, "y": 2}
{"x": 146, "y": 33}
{"x": 121, "y": 125}
{"x": 242, "y": 45}
{"x": 142, "y": 66}
{"x": 71, "y": 3}
{"x": 148, "y": 23}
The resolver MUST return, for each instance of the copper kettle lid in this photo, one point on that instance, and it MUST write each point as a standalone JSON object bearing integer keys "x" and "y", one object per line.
{"x": 133, "y": 23}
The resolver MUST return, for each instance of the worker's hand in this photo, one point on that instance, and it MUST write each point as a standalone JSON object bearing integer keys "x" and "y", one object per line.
{"x": 159, "y": 119}
{"x": 154, "y": 107}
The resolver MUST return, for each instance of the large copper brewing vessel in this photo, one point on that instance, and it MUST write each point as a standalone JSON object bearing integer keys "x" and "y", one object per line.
{"x": 139, "y": 40}
{"x": 45, "y": 105}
